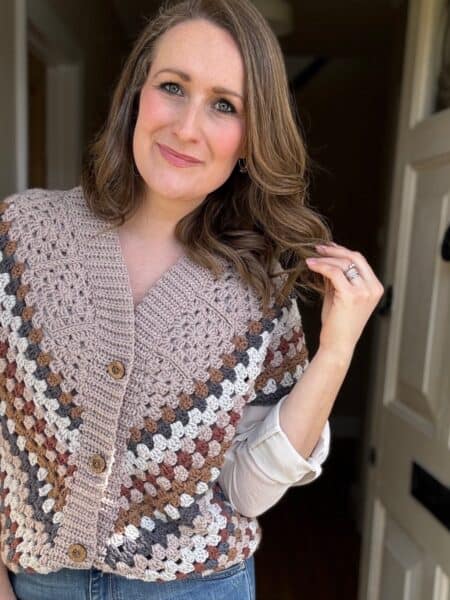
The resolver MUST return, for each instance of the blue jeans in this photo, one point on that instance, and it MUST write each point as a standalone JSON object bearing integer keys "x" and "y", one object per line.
{"x": 235, "y": 583}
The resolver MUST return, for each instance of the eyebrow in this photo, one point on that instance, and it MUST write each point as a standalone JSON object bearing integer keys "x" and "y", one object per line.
{"x": 186, "y": 77}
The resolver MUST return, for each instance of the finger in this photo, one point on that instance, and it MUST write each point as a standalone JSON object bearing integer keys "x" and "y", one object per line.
{"x": 331, "y": 272}
{"x": 352, "y": 257}
{"x": 343, "y": 264}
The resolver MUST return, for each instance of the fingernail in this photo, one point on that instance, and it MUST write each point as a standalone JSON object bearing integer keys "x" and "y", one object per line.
{"x": 311, "y": 260}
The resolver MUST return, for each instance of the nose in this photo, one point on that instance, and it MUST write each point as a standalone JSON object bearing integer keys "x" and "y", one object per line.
{"x": 188, "y": 124}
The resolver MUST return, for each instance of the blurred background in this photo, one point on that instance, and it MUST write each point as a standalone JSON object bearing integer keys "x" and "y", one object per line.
{"x": 370, "y": 80}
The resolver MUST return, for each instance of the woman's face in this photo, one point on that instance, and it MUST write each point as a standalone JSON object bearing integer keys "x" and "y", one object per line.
{"x": 182, "y": 108}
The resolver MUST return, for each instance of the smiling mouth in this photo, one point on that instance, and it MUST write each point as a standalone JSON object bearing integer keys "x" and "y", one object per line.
{"x": 175, "y": 159}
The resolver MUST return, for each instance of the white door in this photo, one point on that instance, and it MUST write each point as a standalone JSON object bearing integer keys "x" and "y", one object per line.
{"x": 406, "y": 539}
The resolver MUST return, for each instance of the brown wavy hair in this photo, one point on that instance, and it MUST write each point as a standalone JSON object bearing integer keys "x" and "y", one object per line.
{"x": 259, "y": 220}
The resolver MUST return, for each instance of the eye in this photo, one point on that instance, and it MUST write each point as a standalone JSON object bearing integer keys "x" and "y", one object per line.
{"x": 229, "y": 108}
{"x": 169, "y": 87}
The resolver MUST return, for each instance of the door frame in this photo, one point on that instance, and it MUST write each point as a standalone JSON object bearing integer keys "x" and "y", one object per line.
{"x": 413, "y": 108}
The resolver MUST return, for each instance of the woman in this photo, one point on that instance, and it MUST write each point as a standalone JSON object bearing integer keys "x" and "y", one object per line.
{"x": 155, "y": 391}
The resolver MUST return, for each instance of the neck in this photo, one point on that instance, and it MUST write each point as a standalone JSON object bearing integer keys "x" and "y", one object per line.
{"x": 156, "y": 218}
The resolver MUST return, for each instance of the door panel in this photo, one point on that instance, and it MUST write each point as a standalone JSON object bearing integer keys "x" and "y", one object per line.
{"x": 402, "y": 565}
{"x": 406, "y": 571}
{"x": 426, "y": 299}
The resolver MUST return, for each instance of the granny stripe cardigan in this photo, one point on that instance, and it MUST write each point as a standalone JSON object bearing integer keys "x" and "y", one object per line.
{"x": 115, "y": 419}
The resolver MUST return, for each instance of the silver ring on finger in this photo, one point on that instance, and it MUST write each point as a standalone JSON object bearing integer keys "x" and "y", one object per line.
{"x": 351, "y": 272}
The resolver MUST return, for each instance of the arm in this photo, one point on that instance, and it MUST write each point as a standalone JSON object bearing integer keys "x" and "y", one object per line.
{"x": 307, "y": 408}
{"x": 6, "y": 591}
{"x": 262, "y": 463}
{"x": 347, "y": 306}
{"x": 257, "y": 475}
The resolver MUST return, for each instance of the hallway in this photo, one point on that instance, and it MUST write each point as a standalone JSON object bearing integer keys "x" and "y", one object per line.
{"x": 310, "y": 547}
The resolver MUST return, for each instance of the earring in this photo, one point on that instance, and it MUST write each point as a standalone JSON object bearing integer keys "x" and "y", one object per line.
{"x": 242, "y": 165}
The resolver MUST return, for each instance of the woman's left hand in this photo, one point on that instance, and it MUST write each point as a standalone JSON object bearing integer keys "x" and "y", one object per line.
{"x": 347, "y": 304}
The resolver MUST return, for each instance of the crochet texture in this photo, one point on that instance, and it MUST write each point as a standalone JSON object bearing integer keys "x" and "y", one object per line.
{"x": 194, "y": 352}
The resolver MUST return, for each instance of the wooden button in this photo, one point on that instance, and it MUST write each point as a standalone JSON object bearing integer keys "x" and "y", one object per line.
{"x": 77, "y": 552}
{"x": 116, "y": 369}
{"x": 97, "y": 463}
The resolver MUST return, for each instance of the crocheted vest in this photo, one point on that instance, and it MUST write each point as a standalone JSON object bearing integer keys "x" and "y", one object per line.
{"x": 114, "y": 419}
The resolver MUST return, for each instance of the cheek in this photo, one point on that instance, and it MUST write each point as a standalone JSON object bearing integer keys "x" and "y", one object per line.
{"x": 227, "y": 141}
{"x": 153, "y": 110}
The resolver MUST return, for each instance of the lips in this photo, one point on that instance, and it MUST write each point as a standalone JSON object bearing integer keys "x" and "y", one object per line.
{"x": 177, "y": 159}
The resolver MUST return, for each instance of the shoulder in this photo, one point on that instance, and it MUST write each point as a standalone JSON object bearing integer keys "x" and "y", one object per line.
{"x": 38, "y": 225}
{"x": 32, "y": 199}
{"x": 42, "y": 199}
{"x": 38, "y": 208}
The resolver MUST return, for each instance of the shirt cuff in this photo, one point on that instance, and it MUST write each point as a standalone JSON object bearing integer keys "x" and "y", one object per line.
{"x": 275, "y": 455}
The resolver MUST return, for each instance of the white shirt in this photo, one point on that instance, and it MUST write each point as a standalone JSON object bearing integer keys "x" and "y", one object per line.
{"x": 262, "y": 464}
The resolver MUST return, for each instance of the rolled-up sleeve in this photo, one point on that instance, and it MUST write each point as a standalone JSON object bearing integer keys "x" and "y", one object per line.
{"x": 277, "y": 457}
{"x": 262, "y": 463}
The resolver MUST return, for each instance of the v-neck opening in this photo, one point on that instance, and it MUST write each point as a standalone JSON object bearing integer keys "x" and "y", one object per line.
{"x": 153, "y": 288}
{"x": 120, "y": 322}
